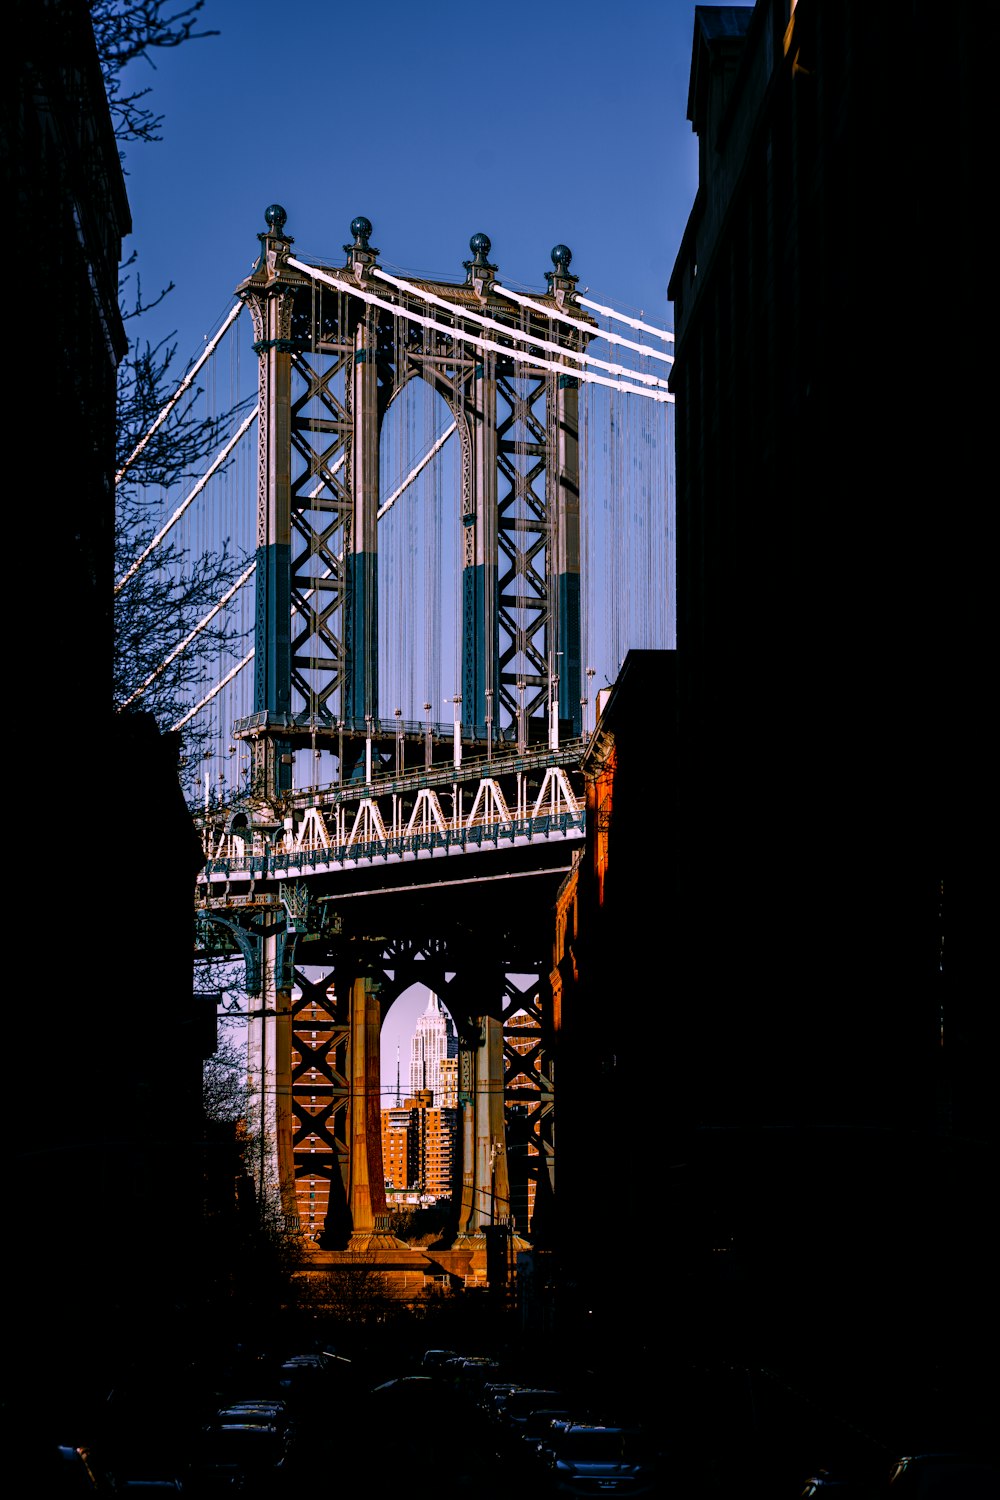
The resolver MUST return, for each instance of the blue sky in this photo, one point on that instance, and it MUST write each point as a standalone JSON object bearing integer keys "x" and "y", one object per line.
{"x": 534, "y": 124}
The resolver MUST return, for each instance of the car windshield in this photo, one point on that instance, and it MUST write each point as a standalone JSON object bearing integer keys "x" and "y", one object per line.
{"x": 594, "y": 1445}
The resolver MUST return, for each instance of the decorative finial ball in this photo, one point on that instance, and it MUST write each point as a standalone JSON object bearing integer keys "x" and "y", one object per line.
{"x": 561, "y": 257}
{"x": 274, "y": 217}
{"x": 361, "y": 227}
{"x": 480, "y": 244}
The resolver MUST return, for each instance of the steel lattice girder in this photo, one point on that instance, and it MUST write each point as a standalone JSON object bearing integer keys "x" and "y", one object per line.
{"x": 533, "y": 604}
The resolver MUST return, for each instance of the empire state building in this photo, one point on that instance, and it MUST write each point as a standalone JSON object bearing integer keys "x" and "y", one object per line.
{"x": 434, "y": 1042}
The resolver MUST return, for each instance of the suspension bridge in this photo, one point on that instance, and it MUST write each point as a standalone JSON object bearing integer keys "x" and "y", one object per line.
{"x": 448, "y": 506}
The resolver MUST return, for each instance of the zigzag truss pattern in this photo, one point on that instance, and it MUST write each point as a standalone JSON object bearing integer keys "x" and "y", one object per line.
{"x": 422, "y": 816}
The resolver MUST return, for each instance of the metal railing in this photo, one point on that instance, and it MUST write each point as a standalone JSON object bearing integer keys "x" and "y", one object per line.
{"x": 395, "y": 848}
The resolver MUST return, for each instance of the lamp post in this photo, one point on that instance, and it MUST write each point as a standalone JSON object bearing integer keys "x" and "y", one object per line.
{"x": 590, "y": 692}
{"x": 489, "y": 725}
{"x": 522, "y": 736}
{"x": 399, "y": 741}
{"x": 428, "y": 743}
{"x": 457, "y": 733}
{"x": 554, "y": 705}
{"x": 368, "y": 747}
{"x": 317, "y": 754}
{"x": 207, "y": 757}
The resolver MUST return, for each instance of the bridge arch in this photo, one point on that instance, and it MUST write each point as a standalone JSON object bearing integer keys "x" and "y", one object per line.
{"x": 423, "y": 482}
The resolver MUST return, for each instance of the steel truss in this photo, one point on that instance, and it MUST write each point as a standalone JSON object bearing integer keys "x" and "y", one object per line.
{"x": 331, "y": 362}
{"x": 316, "y": 1015}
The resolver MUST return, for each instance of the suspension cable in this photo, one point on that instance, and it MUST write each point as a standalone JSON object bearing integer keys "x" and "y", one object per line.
{"x": 158, "y": 538}
{"x": 417, "y": 469}
{"x": 195, "y": 630}
{"x": 527, "y": 338}
{"x": 597, "y": 333}
{"x": 619, "y": 317}
{"x": 215, "y": 690}
{"x": 461, "y": 336}
{"x": 231, "y": 318}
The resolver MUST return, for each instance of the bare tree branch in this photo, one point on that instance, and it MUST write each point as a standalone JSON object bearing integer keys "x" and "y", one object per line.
{"x": 130, "y": 31}
{"x": 165, "y": 600}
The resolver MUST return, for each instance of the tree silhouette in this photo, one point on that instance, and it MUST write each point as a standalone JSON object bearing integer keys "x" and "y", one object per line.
{"x": 129, "y": 31}
{"x": 161, "y": 603}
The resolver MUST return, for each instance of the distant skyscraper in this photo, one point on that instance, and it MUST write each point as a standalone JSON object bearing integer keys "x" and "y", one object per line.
{"x": 434, "y": 1041}
{"x": 418, "y": 1148}
{"x": 449, "y": 1083}
{"x": 400, "y": 1148}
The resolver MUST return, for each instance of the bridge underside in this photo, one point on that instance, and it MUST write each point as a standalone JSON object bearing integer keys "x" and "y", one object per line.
{"x": 332, "y": 954}
{"x": 498, "y": 899}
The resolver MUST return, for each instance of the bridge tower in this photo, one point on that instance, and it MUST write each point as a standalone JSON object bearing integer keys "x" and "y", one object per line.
{"x": 335, "y": 347}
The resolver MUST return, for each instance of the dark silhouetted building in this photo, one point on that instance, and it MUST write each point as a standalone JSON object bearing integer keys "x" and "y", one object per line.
{"x": 793, "y": 1123}
{"x": 830, "y": 431}
{"x": 106, "y": 1047}
{"x": 828, "y": 1032}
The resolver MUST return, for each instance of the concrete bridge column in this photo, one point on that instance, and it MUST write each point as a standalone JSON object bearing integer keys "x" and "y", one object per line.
{"x": 370, "y": 1218}
{"x": 485, "y": 1189}
{"x": 493, "y": 1199}
{"x": 270, "y": 1071}
{"x": 466, "y": 1073}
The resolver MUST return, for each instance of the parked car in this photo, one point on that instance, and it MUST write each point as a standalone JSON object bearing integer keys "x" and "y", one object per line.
{"x": 538, "y": 1423}
{"x": 434, "y": 1359}
{"x": 499, "y": 1399}
{"x": 307, "y": 1381}
{"x": 490, "y": 1391}
{"x": 546, "y": 1445}
{"x": 471, "y": 1372}
{"x": 302, "y": 1366}
{"x": 69, "y": 1469}
{"x": 591, "y": 1460}
{"x": 524, "y": 1449}
{"x": 238, "y": 1458}
{"x": 518, "y": 1406}
{"x": 264, "y": 1412}
{"x": 824, "y": 1485}
{"x": 944, "y": 1476}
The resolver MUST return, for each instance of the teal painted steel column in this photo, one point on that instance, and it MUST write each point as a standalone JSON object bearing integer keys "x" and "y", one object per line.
{"x": 362, "y": 561}
{"x": 270, "y": 294}
{"x": 480, "y": 617}
{"x": 565, "y": 426}
{"x": 563, "y": 421}
{"x": 480, "y": 607}
{"x": 361, "y": 667}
